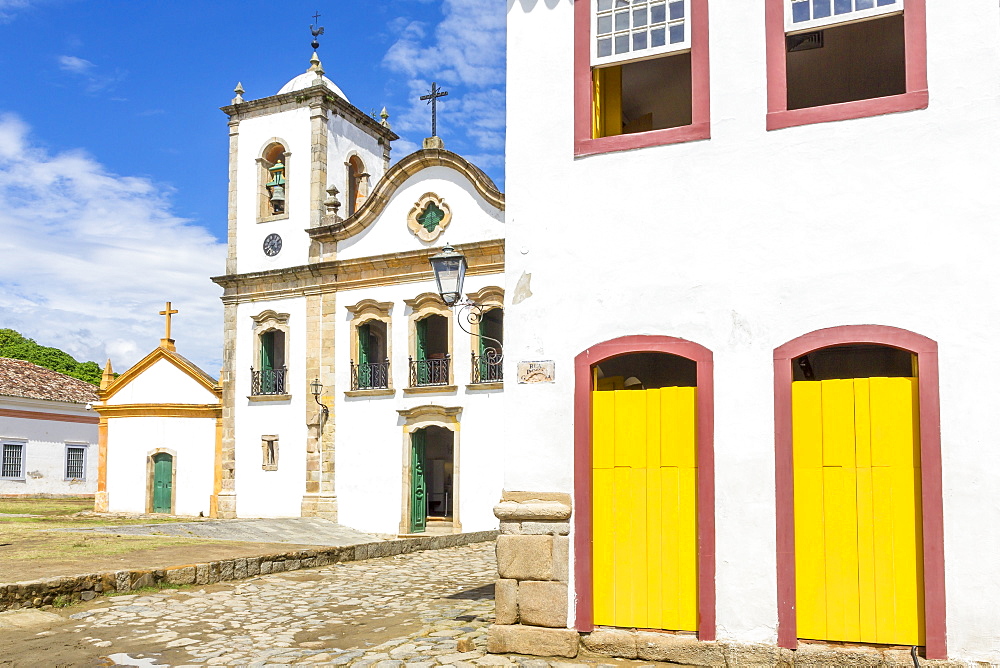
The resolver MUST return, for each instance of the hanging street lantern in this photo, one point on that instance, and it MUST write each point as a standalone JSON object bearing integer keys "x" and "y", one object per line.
{"x": 449, "y": 273}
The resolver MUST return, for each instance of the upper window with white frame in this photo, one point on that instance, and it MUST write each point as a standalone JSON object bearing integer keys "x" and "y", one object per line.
{"x": 76, "y": 461}
{"x": 632, "y": 29}
{"x": 833, "y": 60}
{"x": 645, "y": 64}
{"x": 12, "y": 460}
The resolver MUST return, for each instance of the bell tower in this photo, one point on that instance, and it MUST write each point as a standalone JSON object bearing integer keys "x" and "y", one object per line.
{"x": 295, "y": 157}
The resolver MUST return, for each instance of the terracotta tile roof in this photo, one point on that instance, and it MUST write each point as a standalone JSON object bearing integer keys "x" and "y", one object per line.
{"x": 24, "y": 379}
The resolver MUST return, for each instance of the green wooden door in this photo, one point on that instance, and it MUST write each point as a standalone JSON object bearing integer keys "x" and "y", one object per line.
{"x": 423, "y": 372}
{"x": 163, "y": 483}
{"x": 364, "y": 357}
{"x": 267, "y": 351}
{"x": 418, "y": 483}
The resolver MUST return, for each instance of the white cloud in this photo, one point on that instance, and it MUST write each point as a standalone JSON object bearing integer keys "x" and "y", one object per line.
{"x": 94, "y": 80}
{"x": 465, "y": 52}
{"x": 89, "y": 258}
{"x": 9, "y": 8}
{"x": 75, "y": 65}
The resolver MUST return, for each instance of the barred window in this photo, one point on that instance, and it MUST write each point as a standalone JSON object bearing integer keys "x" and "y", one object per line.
{"x": 12, "y": 464}
{"x": 76, "y": 462}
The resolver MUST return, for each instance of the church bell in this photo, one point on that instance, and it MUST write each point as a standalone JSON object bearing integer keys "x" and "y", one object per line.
{"x": 277, "y": 186}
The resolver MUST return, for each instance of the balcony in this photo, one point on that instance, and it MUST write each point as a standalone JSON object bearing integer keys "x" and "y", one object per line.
{"x": 267, "y": 381}
{"x": 371, "y": 376}
{"x": 434, "y": 371}
{"x": 487, "y": 368}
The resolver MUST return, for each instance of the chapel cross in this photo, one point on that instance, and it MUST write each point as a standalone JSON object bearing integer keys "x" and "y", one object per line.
{"x": 168, "y": 312}
{"x": 432, "y": 99}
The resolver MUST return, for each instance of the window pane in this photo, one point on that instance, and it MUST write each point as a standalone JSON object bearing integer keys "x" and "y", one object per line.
{"x": 658, "y": 37}
{"x": 603, "y": 25}
{"x": 677, "y": 34}
{"x": 603, "y": 5}
{"x": 639, "y": 18}
{"x": 74, "y": 463}
{"x": 603, "y": 47}
{"x": 658, "y": 13}
{"x": 621, "y": 44}
{"x": 842, "y": 6}
{"x": 677, "y": 10}
{"x": 800, "y": 11}
{"x": 621, "y": 21}
{"x": 883, "y": 3}
{"x": 638, "y": 41}
{"x": 821, "y": 9}
{"x": 621, "y": 3}
{"x": 864, "y": 4}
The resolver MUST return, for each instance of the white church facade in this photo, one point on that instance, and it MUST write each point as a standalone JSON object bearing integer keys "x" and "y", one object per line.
{"x": 770, "y": 422}
{"x": 350, "y": 390}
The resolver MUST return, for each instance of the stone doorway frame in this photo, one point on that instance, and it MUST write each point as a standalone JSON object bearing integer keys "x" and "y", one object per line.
{"x": 421, "y": 417}
{"x": 151, "y": 473}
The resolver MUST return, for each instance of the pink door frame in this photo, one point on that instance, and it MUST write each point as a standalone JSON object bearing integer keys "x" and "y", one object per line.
{"x": 926, "y": 351}
{"x": 583, "y": 481}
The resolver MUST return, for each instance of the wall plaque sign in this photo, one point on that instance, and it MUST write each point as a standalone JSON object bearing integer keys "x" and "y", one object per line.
{"x": 536, "y": 372}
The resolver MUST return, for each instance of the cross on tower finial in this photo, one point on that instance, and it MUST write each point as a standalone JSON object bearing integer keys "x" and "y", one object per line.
{"x": 167, "y": 342}
{"x": 316, "y": 30}
{"x": 432, "y": 99}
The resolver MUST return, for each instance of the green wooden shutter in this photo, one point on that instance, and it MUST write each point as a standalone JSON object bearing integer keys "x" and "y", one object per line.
{"x": 423, "y": 372}
{"x": 418, "y": 483}
{"x": 364, "y": 344}
{"x": 267, "y": 351}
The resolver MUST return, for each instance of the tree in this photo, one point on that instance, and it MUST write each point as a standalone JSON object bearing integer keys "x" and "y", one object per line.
{"x": 15, "y": 346}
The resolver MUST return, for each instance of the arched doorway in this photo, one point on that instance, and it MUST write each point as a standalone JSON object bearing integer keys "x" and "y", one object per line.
{"x": 644, "y": 527}
{"x": 432, "y": 471}
{"x": 857, "y": 437}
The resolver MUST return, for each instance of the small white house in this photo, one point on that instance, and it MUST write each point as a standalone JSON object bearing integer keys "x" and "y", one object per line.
{"x": 48, "y": 432}
{"x": 160, "y": 432}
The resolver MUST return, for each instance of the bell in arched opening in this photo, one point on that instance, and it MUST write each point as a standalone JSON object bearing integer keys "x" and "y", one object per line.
{"x": 276, "y": 187}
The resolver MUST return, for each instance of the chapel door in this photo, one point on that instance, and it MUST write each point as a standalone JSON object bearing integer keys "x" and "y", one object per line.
{"x": 418, "y": 482}
{"x": 858, "y": 539}
{"x": 163, "y": 465}
{"x": 645, "y": 507}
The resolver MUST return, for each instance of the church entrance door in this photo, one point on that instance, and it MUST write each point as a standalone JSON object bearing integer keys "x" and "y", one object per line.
{"x": 418, "y": 482}
{"x": 163, "y": 465}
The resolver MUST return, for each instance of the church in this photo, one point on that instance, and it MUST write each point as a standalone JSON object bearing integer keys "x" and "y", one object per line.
{"x": 350, "y": 390}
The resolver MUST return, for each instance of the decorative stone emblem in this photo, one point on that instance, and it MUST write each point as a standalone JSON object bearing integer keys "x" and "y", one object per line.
{"x": 429, "y": 217}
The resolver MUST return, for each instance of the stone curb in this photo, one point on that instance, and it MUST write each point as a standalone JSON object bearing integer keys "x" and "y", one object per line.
{"x": 37, "y": 593}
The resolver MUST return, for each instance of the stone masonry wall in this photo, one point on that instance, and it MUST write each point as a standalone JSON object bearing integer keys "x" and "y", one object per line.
{"x": 37, "y": 593}
{"x": 532, "y": 598}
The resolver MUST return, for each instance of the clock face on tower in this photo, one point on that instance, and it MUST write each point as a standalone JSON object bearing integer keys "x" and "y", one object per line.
{"x": 272, "y": 245}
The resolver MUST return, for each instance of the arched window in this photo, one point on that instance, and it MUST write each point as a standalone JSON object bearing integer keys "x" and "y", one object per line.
{"x": 270, "y": 365}
{"x": 357, "y": 184}
{"x": 273, "y": 181}
{"x": 430, "y": 343}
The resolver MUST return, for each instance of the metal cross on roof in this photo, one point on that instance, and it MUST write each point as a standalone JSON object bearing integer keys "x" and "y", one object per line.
{"x": 432, "y": 99}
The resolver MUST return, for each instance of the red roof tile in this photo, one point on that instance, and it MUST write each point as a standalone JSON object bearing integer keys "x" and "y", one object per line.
{"x": 24, "y": 379}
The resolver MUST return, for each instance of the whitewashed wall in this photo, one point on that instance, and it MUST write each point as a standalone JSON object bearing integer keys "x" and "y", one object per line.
{"x": 131, "y": 441}
{"x": 753, "y": 238}
{"x": 163, "y": 382}
{"x": 473, "y": 219}
{"x": 279, "y": 493}
{"x": 45, "y": 447}
{"x": 371, "y": 447}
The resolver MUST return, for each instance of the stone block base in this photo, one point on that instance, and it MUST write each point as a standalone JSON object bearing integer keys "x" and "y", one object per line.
{"x": 687, "y": 650}
{"x": 225, "y": 506}
{"x": 532, "y": 640}
{"x": 316, "y": 505}
{"x": 101, "y": 502}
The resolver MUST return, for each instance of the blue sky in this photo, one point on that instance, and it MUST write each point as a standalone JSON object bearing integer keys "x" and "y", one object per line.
{"x": 113, "y": 151}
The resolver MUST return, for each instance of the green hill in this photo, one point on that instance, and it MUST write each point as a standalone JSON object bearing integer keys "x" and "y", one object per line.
{"x": 15, "y": 346}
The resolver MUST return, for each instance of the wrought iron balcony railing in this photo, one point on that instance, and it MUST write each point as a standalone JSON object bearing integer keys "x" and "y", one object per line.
{"x": 487, "y": 368}
{"x": 371, "y": 376}
{"x": 267, "y": 381}
{"x": 430, "y": 372}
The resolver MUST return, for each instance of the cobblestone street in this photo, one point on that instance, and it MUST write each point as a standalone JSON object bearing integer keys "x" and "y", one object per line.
{"x": 421, "y": 609}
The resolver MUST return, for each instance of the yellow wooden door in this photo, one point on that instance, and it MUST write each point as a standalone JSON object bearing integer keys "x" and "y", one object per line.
{"x": 645, "y": 509}
{"x": 858, "y": 541}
